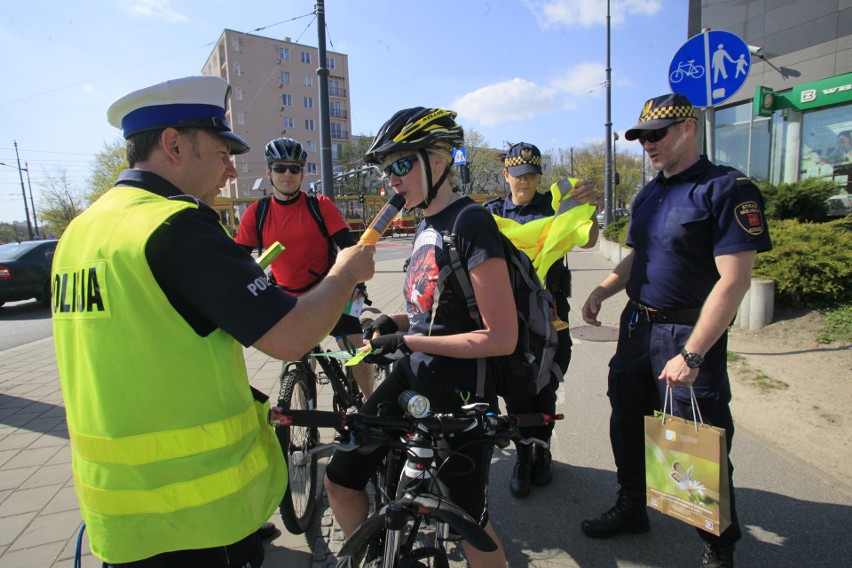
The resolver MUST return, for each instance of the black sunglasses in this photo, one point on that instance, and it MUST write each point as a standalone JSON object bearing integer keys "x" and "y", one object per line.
{"x": 653, "y": 136}
{"x": 401, "y": 166}
{"x": 281, "y": 168}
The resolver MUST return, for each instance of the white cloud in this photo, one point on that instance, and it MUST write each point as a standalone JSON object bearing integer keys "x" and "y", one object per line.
{"x": 586, "y": 13}
{"x": 514, "y": 100}
{"x": 89, "y": 89}
{"x": 160, "y": 9}
{"x": 581, "y": 80}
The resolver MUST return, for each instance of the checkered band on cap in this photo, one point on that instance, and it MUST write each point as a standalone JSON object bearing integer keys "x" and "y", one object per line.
{"x": 665, "y": 112}
{"x": 526, "y": 157}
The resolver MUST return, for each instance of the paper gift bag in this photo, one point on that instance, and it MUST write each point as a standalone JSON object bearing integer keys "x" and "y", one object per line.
{"x": 686, "y": 471}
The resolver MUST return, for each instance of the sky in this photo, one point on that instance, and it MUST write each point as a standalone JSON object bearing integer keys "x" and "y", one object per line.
{"x": 514, "y": 70}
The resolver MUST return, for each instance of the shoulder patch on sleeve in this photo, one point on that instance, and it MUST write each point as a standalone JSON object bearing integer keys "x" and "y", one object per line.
{"x": 750, "y": 218}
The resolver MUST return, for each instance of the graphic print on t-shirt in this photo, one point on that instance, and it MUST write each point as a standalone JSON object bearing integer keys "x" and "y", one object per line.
{"x": 422, "y": 279}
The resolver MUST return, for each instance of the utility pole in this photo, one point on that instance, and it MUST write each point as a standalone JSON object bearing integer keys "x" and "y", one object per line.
{"x": 608, "y": 156}
{"x": 24, "y": 192}
{"x": 327, "y": 171}
{"x": 32, "y": 203}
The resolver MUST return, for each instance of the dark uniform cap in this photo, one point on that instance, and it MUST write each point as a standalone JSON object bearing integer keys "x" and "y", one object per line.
{"x": 189, "y": 102}
{"x": 523, "y": 158}
{"x": 660, "y": 112}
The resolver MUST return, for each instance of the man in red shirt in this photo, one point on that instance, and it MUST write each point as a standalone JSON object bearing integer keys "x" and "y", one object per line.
{"x": 311, "y": 229}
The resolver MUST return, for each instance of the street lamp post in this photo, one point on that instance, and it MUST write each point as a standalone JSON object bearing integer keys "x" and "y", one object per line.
{"x": 32, "y": 202}
{"x": 616, "y": 179}
{"x": 608, "y": 153}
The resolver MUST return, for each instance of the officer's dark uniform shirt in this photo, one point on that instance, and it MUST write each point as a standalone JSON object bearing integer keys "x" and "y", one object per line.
{"x": 206, "y": 277}
{"x": 539, "y": 206}
{"x": 680, "y": 224}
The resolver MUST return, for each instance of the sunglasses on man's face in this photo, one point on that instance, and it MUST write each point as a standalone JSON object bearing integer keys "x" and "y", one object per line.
{"x": 292, "y": 168}
{"x": 654, "y": 136}
{"x": 401, "y": 166}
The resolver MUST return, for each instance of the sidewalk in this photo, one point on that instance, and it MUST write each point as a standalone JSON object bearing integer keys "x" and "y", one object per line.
{"x": 791, "y": 516}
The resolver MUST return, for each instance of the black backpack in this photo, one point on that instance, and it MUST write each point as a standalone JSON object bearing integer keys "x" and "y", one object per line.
{"x": 313, "y": 207}
{"x": 530, "y": 367}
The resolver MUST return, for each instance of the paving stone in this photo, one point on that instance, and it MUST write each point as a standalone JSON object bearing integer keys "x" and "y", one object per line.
{"x": 27, "y": 500}
{"x": 44, "y": 529}
{"x": 43, "y": 555}
{"x": 32, "y": 456}
{"x": 49, "y": 475}
{"x": 11, "y": 527}
{"x": 14, "y": 478}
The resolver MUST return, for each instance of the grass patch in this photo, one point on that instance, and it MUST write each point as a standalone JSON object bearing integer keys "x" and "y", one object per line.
{"x": 827, "y": 416}
{"x": 754, "y": 377}
{"x": 838, "y": 325}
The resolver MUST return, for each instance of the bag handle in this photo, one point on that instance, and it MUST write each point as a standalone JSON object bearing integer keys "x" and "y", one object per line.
{"x": 668, "y": 402}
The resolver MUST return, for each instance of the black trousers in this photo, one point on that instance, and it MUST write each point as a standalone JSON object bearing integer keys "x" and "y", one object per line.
{"x": 247, "y": 553}
{"x": 635, "y": 392}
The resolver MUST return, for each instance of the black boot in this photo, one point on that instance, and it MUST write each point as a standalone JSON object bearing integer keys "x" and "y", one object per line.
{"x": 542, "y": 466}
{"x": 519, "y": 485}
{"x": 717, "y": 556}
{"x": 628, "y": 515}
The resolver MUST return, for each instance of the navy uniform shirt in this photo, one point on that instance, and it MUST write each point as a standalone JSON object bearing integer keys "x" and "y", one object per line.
{"x": 538, "y": 207}
{"x": 681, "y": 223}
{"x": 203, "y": 273}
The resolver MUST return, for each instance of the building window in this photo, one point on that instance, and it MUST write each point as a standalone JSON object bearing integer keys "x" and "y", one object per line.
{"x": 284, "y": 53}
{"x": 244, "y": 166}
{"x": 235, "y": 43}
{"x": 827, "y": 145}
{"x": 309, "y": 124}
{"x": 334, "y": 89}
{"x": 336, "y": 130}
{"x": 329, "y": 62}
{"x": 311, "y": 146}
{"x": 285, "y": 77}
{"x": 309, "y": 102}
{"x": 237, "y": 69}
{"x": 288, "y": 122}
{"x": 307, "y": 81}
{"x": 287, "y": 100}
{"x": 306, "y": 57}
{"x": 238, "y": 93}
{"x": 335, "y": 110}
{"x": 337, "y": 151}
{"x": 735, "y": 125}
{"x": 311, "y": 167}
{"x": 241, "y": 117}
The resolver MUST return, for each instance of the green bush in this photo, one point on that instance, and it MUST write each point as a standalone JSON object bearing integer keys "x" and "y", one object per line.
{"x": 803, "y": 200}
{"x": 617, "y": 230}
{"x": 811, "y": 263}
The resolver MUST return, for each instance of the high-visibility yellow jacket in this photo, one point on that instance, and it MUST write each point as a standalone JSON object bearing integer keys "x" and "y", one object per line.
{"x": 170, "y": 451}
{"x": 548, "y": 239}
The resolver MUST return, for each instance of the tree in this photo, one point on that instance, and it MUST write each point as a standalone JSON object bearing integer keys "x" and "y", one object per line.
{"x": 361, "y": 181}
{"x": 60, "y": 201}
{"x": 486, "y": 170}
{"x": 589, "y": 163}
{"x": 108, "y": 163}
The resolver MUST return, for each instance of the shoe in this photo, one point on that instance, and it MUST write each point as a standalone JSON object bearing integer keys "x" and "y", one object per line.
{"x": 519, "y": 485}
{"x": 628, "y": 515}
{"x": 267, "y": 531}
{"x": 717, "y": 556}
{"x": 542, "y": 466}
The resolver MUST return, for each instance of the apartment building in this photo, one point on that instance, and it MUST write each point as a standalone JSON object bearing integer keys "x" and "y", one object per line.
{"x": 275, "y": 93}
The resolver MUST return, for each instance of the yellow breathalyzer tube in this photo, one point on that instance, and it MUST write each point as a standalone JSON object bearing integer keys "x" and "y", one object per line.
{"x": 382, "y": 221}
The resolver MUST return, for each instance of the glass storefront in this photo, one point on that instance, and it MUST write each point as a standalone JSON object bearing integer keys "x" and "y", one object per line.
{"x": 742, "y": 141}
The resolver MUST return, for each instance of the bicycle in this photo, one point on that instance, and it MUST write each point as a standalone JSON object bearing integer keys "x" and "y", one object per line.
{"x": 411, "y": 496}
{"x": 688, "y": 69}
{"x": 299, "y": 391}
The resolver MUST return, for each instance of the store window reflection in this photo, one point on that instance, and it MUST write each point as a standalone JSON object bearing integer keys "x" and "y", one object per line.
{"x": 742, "y": 141}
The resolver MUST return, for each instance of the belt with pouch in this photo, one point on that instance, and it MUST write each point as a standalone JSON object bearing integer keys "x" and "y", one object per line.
{"x": 653, "y": 315}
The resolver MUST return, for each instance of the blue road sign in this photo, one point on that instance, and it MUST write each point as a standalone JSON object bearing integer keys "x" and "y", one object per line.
{"x": 460, "y": 156}
{"x": 710, "y": 67}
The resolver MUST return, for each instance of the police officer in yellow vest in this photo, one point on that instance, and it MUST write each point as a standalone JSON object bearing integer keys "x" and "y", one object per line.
{"x": 174, "y": 463}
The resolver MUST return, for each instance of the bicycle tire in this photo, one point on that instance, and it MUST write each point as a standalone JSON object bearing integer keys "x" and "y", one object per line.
{"x": 365, "y": 548}
{"x": 299, "y": 502}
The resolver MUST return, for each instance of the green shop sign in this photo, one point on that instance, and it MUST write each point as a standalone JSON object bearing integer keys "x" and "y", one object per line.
{"x": 827, "y": 92}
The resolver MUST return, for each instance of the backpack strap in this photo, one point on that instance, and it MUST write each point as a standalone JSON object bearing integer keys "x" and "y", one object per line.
{"x": 260, "y": 219}
{"x": 314, "y": 208}
{"x": 458, "y": 269}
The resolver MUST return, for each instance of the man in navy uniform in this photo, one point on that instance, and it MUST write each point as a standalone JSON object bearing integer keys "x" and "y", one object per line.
{"x": 695, "y": 231}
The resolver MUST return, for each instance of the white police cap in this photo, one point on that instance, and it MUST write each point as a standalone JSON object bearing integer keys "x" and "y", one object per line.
{"x": 189, "y": 102}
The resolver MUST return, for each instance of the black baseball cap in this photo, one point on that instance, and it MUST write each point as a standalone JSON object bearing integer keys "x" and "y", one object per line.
{"x": 660, "y": 112}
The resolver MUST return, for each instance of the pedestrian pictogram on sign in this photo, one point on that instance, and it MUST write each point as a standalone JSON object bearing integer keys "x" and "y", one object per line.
{"x": 710, "y": 67}
{"x": 460, "y": 156}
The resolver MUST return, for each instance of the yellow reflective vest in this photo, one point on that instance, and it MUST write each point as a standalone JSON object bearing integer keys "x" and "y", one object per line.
{"x": 548, "y": 239}
{"x": 169, "y": 449}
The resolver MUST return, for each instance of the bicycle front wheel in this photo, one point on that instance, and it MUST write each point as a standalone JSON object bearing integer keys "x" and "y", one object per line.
{"x": 297, "y": 507}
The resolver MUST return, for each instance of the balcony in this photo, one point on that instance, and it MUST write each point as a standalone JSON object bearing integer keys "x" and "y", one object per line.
{"x": 338, "y": 92}
{"x": 338, "y": 113}
{"x": 339, "y": 134}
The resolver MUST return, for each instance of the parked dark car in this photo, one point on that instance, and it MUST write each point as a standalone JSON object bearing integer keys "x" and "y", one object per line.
{"x": 616, "y": 215}
{"x": 25, "y": 271}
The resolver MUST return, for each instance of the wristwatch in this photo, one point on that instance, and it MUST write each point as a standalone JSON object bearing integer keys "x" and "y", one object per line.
{"x": 693, "y": 360}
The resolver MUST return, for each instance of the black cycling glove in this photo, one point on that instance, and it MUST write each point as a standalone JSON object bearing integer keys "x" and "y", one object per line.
{"x": 388, "y": 348}
{"x": 384, "y": 324}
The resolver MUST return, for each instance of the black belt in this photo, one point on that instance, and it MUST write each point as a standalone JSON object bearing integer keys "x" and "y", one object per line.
{"x": 653, "y": 315}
